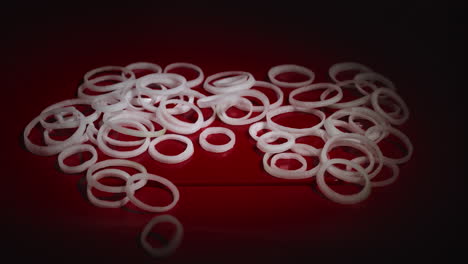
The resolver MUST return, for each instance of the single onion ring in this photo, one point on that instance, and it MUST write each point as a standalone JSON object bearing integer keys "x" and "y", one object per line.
{"x": 217, "y": 148}
{"x": 255, "y": 127}
{"x": 161, "y": 78}
{"x": 73, "y": 150}
{"x": 393, "y": 120}
{"x": 109, "y": 163}
{"x": 300, "y": 173}
{"x": 110, "y": 103}
{"x": 404, "y": 138}
{"x": 353, "y": 103}
{"x": 290, "y": 108}
{"x": 173, "y": 243}
{"x": 144, "y": 66}
{"x": 171, "y": 159}
{"x": 119, "y": 143}
{"x": 321, "y": 103}
{"x": 231, "y": 81}
{"x": 106, "y": 88}
{"x": 130, "y": 189}
{"x": 277, "y": 70}
{"x": 372, "y": 77}
{"x": 340, "y": 198}
{"x": 107, "y": 173}
{"x": 190, "y": 83}
{"x": 115, "y": 123}
{"x": 264, "y": 141}
{"x": 84, "y": 86}
{"x": 230, "y": 87}
{"x": 335, "y": 69}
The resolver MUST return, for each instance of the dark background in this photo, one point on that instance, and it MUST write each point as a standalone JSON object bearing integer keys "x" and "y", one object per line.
{"x": 48, "y": 47}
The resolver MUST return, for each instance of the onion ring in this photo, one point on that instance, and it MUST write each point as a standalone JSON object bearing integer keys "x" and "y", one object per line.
{"x": 217, "y": 148}
{"x": 130, "y": 189}
{"x": 171, "y": 159}
{"x": 277, "y": 70}
{"x": 228, "y": 87}
{"x": 340, "y": 198}
{"x": 170, "y": 247}
{"x": 190, "y": 83}
{"x": 321, "y": 103}
{"x": 290, "y": 108}
{"x": 107, "y": 173}
{"x": 393, "y": 120}
{"x": 71, "y": 150}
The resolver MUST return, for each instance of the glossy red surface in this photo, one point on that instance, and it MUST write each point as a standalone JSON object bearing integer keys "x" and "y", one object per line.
{"x": 231, "y": 210}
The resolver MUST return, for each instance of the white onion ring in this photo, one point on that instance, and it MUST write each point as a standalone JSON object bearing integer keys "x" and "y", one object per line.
{"x": 69, "y": 103}
{"x": 264, "y": 141}
{"x": 393, "y": 166}
{"x": 217, "y": 148}
{"x": 130, "y": 189}
{"x": 300, "y": 173}
{"x": 359, "y": 142}
{"x": 256, "y": 127}
{"x": 353, "y": 103}
{"x": 228, "y": 87}
{"x": 178, "y": 126}
{"x": 277, "y": 70}
{"x": 171, "y": 159}
{"x": 128, "y": 81}
{"x": 335, "y": 69}
{"x": 50, "y": 150}
{"x": 164, "y": 79}
{"x": 322, "y": 102}
{"x": 340, "y": 198}
{"x": 173, "y": 243}
{"x": 308, "y": 150}
{"x": 372, "y": 77}
{"x": 190, "y": 83}
{"x": 288, "y": 109}
{"x": 144, "y": 66}
{"x": 123, "y": 154}
{"x": 393, "y": 120}
{"x": 279, "y": 93}
{"x": 404, "y": 138}
{"x": 73, "y": 150}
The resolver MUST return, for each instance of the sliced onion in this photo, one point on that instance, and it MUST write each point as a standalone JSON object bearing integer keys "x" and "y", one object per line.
{"x": 289, "y": 109}
{"x": 217, "y": 148}
{"x": 173, "y": 243}
{"x": 130, "y": 189}
{"x": 190, "y": 83}
{"x": 73, "y": 150}
{"x": 346, "y": 66}
{"x": 277, "y": 70}
{"x": 340, "y": 198}
{"x": 228, "y": 86}
{"x": 401, "y": 103}
{"x": 264, "y": 141}
{"x": 171, "y": 159}
{"x": 322, "y": 102}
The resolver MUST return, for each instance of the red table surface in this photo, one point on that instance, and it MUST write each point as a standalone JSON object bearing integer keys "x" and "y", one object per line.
{"x": 231, "y": 210}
